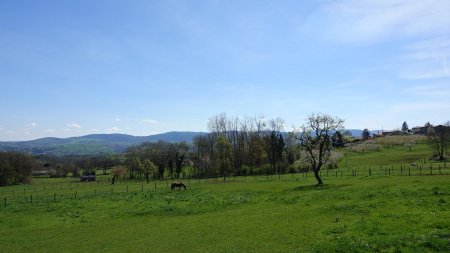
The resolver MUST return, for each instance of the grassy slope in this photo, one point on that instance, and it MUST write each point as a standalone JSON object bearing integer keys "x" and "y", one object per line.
{"x": 397, "y": 155}
{"x": 349, "y": 214}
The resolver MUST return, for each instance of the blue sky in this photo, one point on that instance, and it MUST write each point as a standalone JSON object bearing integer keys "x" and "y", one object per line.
{"x": 69, "y": 68}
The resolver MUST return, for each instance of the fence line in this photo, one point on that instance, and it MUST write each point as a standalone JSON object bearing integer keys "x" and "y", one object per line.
{"x": 51, "y": 192}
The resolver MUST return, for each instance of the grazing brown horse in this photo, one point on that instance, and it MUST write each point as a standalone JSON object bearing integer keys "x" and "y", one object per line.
{"x": 177, "y": 184}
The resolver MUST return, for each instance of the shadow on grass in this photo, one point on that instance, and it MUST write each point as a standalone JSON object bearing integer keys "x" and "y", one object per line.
{"x": 318, "y": 187}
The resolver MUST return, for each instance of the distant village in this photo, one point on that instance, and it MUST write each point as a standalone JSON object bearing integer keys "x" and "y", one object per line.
{"x": 418, "y": 130}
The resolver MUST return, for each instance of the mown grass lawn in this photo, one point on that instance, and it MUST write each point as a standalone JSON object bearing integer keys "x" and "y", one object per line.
{"x": 349, "y": 214}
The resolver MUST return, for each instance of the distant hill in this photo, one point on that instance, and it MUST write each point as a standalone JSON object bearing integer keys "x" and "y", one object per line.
{"x": 93, "y": 144}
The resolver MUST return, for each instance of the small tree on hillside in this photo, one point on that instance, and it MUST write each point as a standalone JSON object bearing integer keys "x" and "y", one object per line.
{"x": 315, "y": 138}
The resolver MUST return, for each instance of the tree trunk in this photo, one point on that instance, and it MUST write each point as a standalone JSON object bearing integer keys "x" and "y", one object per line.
{"x": 319, "y": 180}
{"x": 113, "y": 179}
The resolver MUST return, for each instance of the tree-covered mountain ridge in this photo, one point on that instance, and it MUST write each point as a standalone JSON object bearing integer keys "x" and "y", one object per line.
{"x": 96, "y": 144}
{"x": 92, "y": 144}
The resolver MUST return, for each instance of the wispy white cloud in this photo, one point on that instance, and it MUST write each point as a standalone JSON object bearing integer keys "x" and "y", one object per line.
{"x": 33, "y": 124}
{"x": 430, "y": 90}
{"x": 375, "y": 20}
{"x": 73, "y": 125}
{"x": 50, "y": 131}
{"x": 150, "y": 121}
{"x": 117, "y": 119}
{"x": 427, "y": 59}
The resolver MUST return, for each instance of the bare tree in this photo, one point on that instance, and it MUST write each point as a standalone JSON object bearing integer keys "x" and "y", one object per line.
{"x": 315, "y": 137}
{"x": 439, "y": 139}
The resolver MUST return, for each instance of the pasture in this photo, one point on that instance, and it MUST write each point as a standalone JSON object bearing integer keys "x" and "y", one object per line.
{"x": 348, "y": 214}
{"x": 388, "y": 201}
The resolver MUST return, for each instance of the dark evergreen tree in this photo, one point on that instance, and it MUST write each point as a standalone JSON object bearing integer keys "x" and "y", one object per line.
{"x": 405, "y": 127}
{"x": 337, "y": 140}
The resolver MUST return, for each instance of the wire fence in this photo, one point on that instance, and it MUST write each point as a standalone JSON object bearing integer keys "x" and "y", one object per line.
{"x": 47, "y": 190}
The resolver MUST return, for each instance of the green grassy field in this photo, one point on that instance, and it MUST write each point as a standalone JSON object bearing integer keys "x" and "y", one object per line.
{"x": 352, "y": 214}
{"x": 388, "y": 211}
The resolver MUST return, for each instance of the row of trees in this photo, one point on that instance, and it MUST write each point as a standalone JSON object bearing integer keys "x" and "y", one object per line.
{"x": 151, "y": 159}
{"x": 234, "y": 146}
{"x": 238, "y": 146}
{"x": 55, "y": 166}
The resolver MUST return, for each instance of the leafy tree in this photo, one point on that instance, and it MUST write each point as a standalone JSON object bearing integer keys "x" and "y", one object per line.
{"x": 314, "y": 137}
{"x": 181, "y": 149}
{"x": 149, "y": 168}
{"x": 15, "y": 168}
